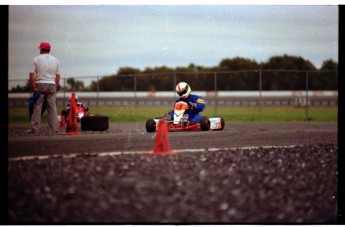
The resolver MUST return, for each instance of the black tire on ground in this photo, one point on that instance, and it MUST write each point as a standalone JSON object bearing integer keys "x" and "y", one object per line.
{"x": 222, "y": 122}
{"x": 150, "y": 125}
{"x": 94, "y": 123}
{"x": 205, "y": 124}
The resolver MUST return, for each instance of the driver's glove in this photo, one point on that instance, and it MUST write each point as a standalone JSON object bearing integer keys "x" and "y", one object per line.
{"x": 192, "y": 106}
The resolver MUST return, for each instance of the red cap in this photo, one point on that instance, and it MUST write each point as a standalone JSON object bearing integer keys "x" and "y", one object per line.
{"x": 44, "y": 45}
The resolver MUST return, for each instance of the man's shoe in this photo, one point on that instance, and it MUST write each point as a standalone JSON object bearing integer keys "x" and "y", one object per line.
{"x": 58, "y": 132}
{"x": 30, "y": 131}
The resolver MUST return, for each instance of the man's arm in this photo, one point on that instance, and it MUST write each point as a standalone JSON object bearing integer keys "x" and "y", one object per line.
{"x": 57, "y": 80}
{"x": 33, "y": 82}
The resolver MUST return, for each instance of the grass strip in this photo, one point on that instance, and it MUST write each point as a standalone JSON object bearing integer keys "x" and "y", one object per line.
{"x": 142, "y": 113}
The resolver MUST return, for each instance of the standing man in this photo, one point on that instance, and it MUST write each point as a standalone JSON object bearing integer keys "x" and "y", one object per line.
{"x": 45, "y": 79}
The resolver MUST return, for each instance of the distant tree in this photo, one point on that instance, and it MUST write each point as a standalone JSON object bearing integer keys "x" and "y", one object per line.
{"x": 93, "y": 86}
{"x": 285, "y": 80}
{"x": 155, "y": 79}
{"x": 116, "y": 83}
{"x": 75, "y": 85}
{"x": 25, "y": 88}
{"x": 202, "y": 78}
{"x": 329, "y": 65}
{"x": 237, "y": 80}
{"x": 122, "y": 81}
{"x": 160, "y": 69}
{"x": 238, "y": 63}
{"x": 327, "y": 78}
{"x": 127, "y": 70}
{"x": 288, "y": 62}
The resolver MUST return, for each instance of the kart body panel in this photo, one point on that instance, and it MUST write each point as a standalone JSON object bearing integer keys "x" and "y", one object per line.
{"x": 180, "y": 121}
{"x": 80, "y": 112}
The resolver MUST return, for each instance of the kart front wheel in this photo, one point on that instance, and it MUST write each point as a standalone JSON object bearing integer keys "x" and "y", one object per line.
{"x": 150, "y": 125}
{"x": 205, "y": 124}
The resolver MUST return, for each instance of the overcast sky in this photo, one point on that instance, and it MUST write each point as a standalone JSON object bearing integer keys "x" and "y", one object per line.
{"x": 98, "y": 40}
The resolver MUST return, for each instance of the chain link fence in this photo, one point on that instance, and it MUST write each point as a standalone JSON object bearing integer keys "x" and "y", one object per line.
{"x": 256, "y": 89}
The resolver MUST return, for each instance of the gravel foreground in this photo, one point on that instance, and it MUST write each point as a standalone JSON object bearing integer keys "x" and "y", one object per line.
{"x": 264, "y": 185}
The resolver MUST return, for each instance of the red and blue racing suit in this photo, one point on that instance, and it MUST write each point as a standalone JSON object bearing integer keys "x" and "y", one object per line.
{"x": 193, "y": 114}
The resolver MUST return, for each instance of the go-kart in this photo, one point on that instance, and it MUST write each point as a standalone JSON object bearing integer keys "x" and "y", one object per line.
{"x": 180, "y": 121}
{"x": 88, "y": 122}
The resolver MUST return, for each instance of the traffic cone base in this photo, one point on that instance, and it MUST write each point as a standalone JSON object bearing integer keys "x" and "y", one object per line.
{"x": 162, "y": 146}
{"x": 71, "y": 133}
{"x": 163, "y": 154}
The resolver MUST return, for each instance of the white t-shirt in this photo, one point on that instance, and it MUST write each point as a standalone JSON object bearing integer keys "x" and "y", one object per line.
{"x": 46, "y": 67}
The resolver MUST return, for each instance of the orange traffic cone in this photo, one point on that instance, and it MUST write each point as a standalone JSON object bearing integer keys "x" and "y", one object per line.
{"x": 62, "y": 121}
{"x": 72, "y": 121}
{"x": 162, "y": 146}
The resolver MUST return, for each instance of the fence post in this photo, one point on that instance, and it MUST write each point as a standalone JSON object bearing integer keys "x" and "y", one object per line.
{"x": 260, "y": 95}
{"x": 135, "y": 95}
{"x": 97, "y": 94}
{"x": 64, "y": 93}
{"x": 307, "y": 88}
{"x": 174, "y": 84}
{"x": 215, "y": 94}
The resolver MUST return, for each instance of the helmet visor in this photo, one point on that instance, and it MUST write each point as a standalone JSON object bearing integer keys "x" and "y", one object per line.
{"x": 184, "y": 91}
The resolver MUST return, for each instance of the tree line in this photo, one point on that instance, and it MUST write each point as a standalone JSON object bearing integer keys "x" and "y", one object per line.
{"x": 284, "y": 72}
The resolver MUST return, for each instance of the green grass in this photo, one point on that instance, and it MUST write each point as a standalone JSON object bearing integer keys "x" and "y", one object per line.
{"x": 278, "y": 113}
{"x": 142, "y": 113}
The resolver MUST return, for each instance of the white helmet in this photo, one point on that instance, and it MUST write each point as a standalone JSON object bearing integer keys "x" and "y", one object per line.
{"x": 183, "y": 89}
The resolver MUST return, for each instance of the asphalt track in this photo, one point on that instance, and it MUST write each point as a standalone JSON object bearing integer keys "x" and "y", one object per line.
{"x": 124, "y": 137}
{"x": 253, "y": 172}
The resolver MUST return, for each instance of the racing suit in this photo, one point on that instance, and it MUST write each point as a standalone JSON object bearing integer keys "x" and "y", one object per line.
{"x": 193, "y": 114}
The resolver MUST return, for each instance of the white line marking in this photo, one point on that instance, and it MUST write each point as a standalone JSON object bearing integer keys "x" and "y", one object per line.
{"x": 114, "y": 153}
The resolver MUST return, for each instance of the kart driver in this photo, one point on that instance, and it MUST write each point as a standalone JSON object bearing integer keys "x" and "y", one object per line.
{"x": 195, "y": 103}
{"x": 65, "y": 112}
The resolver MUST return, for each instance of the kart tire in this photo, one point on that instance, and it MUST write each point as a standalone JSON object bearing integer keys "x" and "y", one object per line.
{"x": 222, "y": 123}
{"x": 150, "y": 125}
{"x": 94, "y": 123}
{"x": 205, "y": 124}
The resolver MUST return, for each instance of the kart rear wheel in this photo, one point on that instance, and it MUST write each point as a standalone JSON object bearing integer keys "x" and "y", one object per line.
{"x": 150, "y": 125}
{"x": 205, "y": 124}
{"x": 94, "y": 123}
